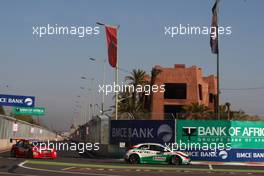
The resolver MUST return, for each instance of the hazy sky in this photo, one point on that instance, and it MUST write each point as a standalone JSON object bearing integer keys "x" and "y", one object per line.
{"x": 51, "y": 67}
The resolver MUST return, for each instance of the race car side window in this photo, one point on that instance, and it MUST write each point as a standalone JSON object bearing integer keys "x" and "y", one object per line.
{"x": 156, "y": 148}
{"x": 144, "y": 147}
{"x": 19, "y": 144}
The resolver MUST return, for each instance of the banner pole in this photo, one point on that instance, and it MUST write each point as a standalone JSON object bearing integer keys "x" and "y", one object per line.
{"x": 116, "y": 93}
{"x": 218, "y": 65}
{"x": 218, "y": 88}
{"x": 117, "y": 65}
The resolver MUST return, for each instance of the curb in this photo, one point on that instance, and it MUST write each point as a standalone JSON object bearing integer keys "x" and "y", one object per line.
{"x": 260, "y": 164}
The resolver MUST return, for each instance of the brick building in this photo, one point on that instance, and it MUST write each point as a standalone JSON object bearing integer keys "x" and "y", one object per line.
{"x": 183, "y": 86}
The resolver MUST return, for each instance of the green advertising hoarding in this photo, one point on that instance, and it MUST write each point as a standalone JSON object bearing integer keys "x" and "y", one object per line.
{"x": 238, "y": 134}
{"x": 247, "y": 134}
{"x": 202, "y": 131}
{"x": 28, "y": 111}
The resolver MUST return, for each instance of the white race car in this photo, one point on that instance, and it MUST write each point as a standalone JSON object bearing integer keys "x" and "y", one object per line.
{"x": 154, "y": 153}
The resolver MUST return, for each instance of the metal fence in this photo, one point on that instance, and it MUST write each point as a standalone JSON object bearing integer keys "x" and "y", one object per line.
{"x": 96, "y": 130}
{"x": 24, "y": 130}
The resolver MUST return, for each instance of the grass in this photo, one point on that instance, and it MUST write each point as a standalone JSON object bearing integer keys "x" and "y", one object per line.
{"x": 106, "y": 166}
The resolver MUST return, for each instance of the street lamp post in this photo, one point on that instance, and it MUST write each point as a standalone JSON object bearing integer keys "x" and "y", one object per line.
{"x": 92, "y": 97}
{"x": 103, "y": 98}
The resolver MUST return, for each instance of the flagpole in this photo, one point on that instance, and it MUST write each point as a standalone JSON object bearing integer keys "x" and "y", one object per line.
{"x": 218, "y": 69}
{"x": 214, "y": 42}
{"x": 116, "y": 93}
{"x": 218, "y": 88}
{"x": 116, "y": 74}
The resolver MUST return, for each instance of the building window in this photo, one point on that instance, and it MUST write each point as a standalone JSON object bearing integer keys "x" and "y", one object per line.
{"x": 172, "y": 111}
{"x": 175, "y": 91}
{"x": 211, "y": 98}
{"x": 200, "y": 91}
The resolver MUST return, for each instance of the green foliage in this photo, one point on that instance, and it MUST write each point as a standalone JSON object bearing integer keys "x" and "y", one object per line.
{"x": 26, "y": 118}
{"x": 2, "y": 111}
{"x": 131, "y": 104}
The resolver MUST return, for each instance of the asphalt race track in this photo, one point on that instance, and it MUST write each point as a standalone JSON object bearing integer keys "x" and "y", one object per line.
{"x": 69, "y": 163}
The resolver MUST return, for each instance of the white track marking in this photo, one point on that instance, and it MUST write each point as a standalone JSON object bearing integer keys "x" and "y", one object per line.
{"x": 3, "y": 151}
{"x": 210, "y": 166}
{"x": 7, "y": 173}
{"x": 59, "y": 171}
{"x": 68, "y": 168}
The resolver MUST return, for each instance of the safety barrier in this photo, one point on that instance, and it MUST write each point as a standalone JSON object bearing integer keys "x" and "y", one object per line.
{"x": 23, "y": 130}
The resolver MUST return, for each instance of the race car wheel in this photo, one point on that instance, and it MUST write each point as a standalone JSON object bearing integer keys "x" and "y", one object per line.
{"x": 13, "y": 153}
{"x": 134, "y": 159}
{"x": 175, "y": 160}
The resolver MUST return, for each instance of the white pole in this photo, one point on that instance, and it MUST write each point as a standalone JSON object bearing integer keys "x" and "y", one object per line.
{"x": 102, "y": 105}
{"x": 116, "y": 94}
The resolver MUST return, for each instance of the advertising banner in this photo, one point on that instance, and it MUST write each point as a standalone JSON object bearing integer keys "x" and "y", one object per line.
{"x": 203, "y": 131}
{"x": 17, "y": 100}
{"x": 234, "y": 134}
{"x": 247, "y": 134}
{"x": 28, "y": 111}
{"x": 141, "y": 131}
{"x": 214, "y": 140}
{"x": 239, "y": 155}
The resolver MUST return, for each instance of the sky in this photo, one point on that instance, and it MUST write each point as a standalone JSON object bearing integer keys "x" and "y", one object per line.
{"x": 50, "y": 67}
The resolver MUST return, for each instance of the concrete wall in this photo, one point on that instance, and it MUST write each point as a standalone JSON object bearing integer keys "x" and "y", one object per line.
{"x": 25, "y": 130}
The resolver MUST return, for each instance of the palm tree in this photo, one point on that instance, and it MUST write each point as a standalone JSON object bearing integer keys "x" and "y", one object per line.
{"x": 228, "y": 109}
{"x": 127, "y": 109}
{"x": 154, "y": 73}
{"x": 196, "y": 111}
{"x": 137, "y": 78}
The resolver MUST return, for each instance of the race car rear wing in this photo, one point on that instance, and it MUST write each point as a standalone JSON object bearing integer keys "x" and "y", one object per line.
{"x": 14, "y": 139}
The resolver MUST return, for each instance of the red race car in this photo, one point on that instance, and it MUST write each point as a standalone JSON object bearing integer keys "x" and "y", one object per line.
{"x": 28, "y": 148}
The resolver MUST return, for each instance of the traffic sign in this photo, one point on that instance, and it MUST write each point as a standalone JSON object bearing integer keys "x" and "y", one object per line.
{"x": 29, "y": 111}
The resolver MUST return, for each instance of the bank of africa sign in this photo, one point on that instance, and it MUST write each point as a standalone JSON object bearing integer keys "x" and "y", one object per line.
{"x": 241, "y": 134}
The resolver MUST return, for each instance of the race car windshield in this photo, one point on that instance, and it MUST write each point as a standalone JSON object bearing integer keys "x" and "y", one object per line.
{"x": 34, "y": 143}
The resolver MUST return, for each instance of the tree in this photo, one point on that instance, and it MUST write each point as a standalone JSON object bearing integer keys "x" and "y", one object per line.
{"x": 228, "y": 114}
{"x": 2, "y": 111}
{"x": 130, "y": 102}
{"x": 26, "y": 118}
{"x": 196, "y": 111}
{"x": 137, "y": 78}
{"x": 154, "y": 73}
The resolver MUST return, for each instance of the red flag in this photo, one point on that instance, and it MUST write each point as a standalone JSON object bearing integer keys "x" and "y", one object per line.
{"x": 214, "y": 30}
{"x": 111, "y": 38}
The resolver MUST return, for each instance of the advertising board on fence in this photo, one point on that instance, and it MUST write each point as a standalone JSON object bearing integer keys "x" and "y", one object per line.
{"x": 141, "y": 131}
{"x": 211, "y": 140}
{"x": 237, "y": 134}
{"x": 231, "y": 140}
{"x": 247, "y": 134}
{"x": 17, "y": 100}
{"x": 240, "y": 155}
